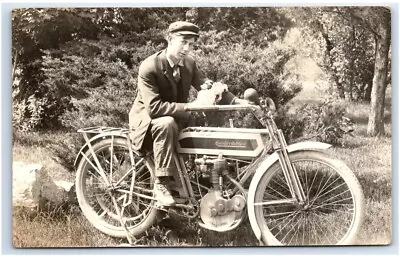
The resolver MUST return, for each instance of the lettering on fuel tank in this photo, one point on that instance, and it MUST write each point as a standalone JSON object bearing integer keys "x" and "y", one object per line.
{"x": 213, "y": 143}
{"x": 226, "y": 143}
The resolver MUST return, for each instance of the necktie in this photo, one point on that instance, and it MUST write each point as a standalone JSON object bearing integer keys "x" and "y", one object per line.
{"x": 176, "y": 73}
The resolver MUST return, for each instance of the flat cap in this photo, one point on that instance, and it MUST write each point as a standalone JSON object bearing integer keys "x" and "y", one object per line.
{"x": 184, "y": 28}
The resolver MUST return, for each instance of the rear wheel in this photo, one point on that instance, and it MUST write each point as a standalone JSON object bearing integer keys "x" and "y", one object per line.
{"x": 331, "y": 214}
{"x": 106, "y": 201}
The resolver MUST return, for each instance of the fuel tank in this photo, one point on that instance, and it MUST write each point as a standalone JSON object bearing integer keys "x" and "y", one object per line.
{"x": 233, "y": 142}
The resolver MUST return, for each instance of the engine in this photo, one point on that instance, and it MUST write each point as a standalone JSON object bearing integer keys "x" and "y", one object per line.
{"x": 219, "y": 209}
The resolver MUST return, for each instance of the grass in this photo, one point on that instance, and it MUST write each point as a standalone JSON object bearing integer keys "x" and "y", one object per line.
{"x": 55, "y": 229}
{"x": 368, "y": 157}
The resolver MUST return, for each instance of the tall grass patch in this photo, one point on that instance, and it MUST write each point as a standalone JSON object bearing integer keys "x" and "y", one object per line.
{"x": 55, "y": 229}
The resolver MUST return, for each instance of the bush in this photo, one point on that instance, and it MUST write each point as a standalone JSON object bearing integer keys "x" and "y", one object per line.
{"x": 83, "y": 83}
{"x": 108, "y": 89}
{"x": 247, "y": 66}
{"x": 94, "y": 82}
{"x": 101, "y": 78}
{"x": 27, "y": 114}
{"x": 323, "y": 122}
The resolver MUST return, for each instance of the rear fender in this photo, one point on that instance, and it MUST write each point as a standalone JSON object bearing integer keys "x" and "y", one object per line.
{"x": 94, "y": 140}
{"x": 267, "y": 163}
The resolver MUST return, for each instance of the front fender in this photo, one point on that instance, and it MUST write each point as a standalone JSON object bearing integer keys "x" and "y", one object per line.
{"x": 267, "y": 163}
{"x": 95, "y": 139}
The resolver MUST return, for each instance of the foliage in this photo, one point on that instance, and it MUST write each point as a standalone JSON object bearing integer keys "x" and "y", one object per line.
{"x": 32, "y": 106}
{"x": 340, "y": 44}
{"x": 258, "y": 25}
{"x": 243, "y": 66}
{"x": 78, "y": 65}
{"x": 34, "y": 31}
{"x": 248, "y": 66}
{"x": 323, "y": 122}
{"x": 351, "y": 56}
{"x": 101, "y": 83}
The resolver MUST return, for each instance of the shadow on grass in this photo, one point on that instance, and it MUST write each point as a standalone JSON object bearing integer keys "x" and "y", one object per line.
{"x": 360, "y": 138}
{"x": 363, "y": 120}
{"x": 375, "y": 189}
{"x": 175, "y": 231}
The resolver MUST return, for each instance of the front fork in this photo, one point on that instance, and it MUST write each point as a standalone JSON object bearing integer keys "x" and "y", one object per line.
{"x": 289, "y": 171}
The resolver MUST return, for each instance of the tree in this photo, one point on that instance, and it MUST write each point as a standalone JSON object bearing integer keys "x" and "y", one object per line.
{"x": 377, "y": 20}
{"x": 353, "y": 59}
{"x": 258, "y": 25}
{"x": 34, "y": 31}
{"x": 347, "y": 47}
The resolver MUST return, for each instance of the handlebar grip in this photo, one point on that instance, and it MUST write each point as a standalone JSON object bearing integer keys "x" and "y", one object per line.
{"x": 270, "y": 104}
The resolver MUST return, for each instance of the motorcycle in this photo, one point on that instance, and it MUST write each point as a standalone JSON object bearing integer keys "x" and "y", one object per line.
{"x": 293, "y": 195}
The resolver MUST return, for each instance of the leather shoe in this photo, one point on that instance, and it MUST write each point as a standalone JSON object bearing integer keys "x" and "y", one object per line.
{"x": 163, "y": 195}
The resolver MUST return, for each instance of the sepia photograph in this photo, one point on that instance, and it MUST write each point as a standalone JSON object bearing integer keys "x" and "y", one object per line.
{"x": 201, "y": 126}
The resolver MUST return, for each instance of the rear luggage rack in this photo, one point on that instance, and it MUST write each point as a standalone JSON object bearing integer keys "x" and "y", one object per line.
{"x": 103, "y": 129}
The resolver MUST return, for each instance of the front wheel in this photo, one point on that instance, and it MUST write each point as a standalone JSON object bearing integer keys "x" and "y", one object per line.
{"x": 331, "y": 214}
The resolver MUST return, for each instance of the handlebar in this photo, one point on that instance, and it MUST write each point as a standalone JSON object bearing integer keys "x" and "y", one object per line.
{"x": 269, "y": 105}
{"x": 238, "y": 107}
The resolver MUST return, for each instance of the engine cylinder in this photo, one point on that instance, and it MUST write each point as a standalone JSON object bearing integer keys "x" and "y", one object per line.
{"x": 218, "y": 168}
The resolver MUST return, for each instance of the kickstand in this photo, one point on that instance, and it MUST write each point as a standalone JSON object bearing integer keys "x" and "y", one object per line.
{"x": 131, "y": 239}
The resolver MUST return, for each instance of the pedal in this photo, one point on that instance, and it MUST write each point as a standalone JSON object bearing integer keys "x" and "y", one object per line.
{"x": 190, "y": 210}
{"x": 159, "y": 206}
{"x": 167, "y": 209}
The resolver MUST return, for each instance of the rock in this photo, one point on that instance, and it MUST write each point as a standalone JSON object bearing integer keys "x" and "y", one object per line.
{"x": 33, "y": 187}
{"x": 25, "y": 188}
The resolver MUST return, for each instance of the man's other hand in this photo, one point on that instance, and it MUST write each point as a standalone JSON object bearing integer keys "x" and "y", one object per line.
{"x": 205, "y": 97}
{"x": 207, "y": 84}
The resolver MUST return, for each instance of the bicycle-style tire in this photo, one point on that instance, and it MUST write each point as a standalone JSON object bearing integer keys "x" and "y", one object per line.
{"x": 334, "y": 208}
{"x": 95, "y": 198}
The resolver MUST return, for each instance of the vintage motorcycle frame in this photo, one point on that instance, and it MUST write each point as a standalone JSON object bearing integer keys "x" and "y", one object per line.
{"x": 279, "y": 155}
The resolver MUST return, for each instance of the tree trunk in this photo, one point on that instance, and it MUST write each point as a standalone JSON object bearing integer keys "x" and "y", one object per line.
{"x": 379, "y": 83}
{"x": 14, "y": 66}
{"x": 340, "y": 87}
{"x": 352, "y": 63}
{"x": 367, "y": 91}
{"x": 332, "y": 72}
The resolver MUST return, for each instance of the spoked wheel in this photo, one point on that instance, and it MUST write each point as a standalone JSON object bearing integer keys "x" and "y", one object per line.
{"x": 331, "y": 214}
{"x": 105, "y": 199}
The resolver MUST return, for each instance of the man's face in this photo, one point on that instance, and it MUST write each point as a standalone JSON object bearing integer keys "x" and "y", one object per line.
{"x": 179, "y": 46}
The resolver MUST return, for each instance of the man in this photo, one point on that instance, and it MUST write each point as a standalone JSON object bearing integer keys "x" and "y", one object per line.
{"x": 161, "y": 104}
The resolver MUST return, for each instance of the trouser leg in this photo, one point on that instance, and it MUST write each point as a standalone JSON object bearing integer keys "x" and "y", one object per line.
{"x": 164, "y": 132}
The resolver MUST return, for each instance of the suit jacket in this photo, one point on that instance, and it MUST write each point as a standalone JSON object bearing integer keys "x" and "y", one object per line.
{"x": 157, "y": 94}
